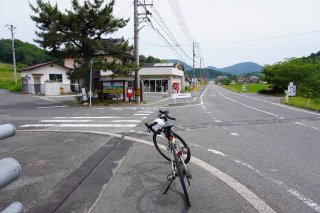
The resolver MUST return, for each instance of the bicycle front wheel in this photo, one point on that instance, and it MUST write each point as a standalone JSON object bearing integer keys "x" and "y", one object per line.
{"x": 181, "y": 175}
{"x": 161, "y": 141}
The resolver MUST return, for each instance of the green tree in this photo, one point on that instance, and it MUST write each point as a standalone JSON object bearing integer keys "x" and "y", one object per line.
{"x": 80, "y": 32}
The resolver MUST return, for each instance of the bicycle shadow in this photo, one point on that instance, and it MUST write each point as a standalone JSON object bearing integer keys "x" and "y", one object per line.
{"x": 148, "y": 181}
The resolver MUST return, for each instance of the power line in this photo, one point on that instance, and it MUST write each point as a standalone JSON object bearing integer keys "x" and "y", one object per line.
{"x": 180, "y": 18}
{"x": 170, "y": 46}
{"x": 167, "y": 31}
{"x": 263, "y": 39}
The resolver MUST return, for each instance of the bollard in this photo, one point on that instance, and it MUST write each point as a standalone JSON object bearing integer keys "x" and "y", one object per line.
{"x": 7, "y": 130}
{"x": 15, "y": 207}
{"x": 9, "y": 171}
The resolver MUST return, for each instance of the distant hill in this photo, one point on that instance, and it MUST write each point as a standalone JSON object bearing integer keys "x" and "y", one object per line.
{"x": 186, "y": 66}
{"x": 241, "y": 68}
{"x": 26, "y": 53}
{"x": 236, "y": 69}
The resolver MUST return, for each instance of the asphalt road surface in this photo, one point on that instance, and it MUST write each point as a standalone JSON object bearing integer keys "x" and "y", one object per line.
{"x": 269, "y": 148}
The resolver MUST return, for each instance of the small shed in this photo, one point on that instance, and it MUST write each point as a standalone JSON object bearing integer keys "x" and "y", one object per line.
{"x": 47, "y": 78}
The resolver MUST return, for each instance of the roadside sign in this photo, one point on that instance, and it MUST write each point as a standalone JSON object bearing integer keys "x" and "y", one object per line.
{"x": 291, "y": 89}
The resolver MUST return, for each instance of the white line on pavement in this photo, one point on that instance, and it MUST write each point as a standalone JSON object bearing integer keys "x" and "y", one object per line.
{"x": 50, "y": 107}
{"x": 259, "y": 110}
{"x": 64, "y": 121}
{"x": 79, "y": 125}
{"x": 217, "y": 152}
{"x": 234, "y": 133}
{"x": 141, "y": 114}
{"x": 302, "y": 124}
{"x": 244, "y": 192}
{"x": 88, "y": 117}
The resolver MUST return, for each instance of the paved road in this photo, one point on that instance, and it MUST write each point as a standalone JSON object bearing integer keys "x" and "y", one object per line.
{"x": 271, "y": 149}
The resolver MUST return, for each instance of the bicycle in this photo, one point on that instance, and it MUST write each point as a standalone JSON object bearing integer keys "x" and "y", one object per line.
{"x": 177, "y": 148}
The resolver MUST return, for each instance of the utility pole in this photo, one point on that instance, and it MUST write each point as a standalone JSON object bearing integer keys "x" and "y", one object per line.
{"x": 11, "y": 28}
{"x": 201, "y": 69}
{"x": 136, "y": 51}
{"x": 136, "y": 3}
{"x": 193, "y": 70}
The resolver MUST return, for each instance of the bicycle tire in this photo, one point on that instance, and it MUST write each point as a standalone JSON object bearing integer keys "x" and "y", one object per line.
{"x": 181, "y": 175}
{"x": 157, "y": 139}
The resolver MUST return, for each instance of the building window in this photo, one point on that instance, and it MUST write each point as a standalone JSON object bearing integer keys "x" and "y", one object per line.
{"x": 146, "y": 86}
{"x": 153, "y": 85}
{"x": 158, "y": 86}
{"x": 55, "y": 77}
{"x": 165, "y": 85}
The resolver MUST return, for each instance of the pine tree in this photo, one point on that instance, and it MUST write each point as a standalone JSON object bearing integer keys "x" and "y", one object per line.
{"x": 81, "y": 32}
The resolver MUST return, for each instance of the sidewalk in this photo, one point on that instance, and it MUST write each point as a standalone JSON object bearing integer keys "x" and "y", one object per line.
{"x": 148, "y": 99}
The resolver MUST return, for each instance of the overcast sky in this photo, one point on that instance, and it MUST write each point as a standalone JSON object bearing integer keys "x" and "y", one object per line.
{"x": 227, "y": 31}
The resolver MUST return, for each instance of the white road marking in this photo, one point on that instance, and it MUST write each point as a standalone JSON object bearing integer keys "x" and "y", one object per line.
{"x": 244, "y": 192}
{"x": 148, "y": 112}
{"x": 217, "y": 121}
{"x": 233, "y": 133}
{"x": 305, "y": 200}
{"x": 47, "y": 99}
{"x": 259, "y": 110}
{"x": 64, "y": 121}
{"x": 79, "y": 125}
{"x": 91, "y": 117}
{"x": 302, "y": 124}
{"x": 37, "y": 125}
{"x": 208, "y": 112}
{"x": 217, "y": 152}
{"x": 140, "y": 114}
{"x": 124, "y": 121}
{"x": 50, "y": 107}
{"x": 315, "y": 128}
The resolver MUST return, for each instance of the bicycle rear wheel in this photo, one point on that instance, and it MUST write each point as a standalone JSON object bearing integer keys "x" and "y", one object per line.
{"x": 160, "y": 140}
{"x": 181, "y": 175}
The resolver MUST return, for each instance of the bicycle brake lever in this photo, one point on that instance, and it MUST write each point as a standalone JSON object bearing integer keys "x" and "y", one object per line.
{"x": 148, "y": 127}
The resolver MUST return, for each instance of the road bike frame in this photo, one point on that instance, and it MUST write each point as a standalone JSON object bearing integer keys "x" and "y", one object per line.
{"x": 178, "y": 165}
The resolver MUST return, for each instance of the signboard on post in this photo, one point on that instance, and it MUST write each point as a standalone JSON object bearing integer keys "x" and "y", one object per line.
{"x": 291, "y": 89}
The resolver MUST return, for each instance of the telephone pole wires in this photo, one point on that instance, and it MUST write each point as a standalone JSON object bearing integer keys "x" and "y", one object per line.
{"x": 11, "y": 28}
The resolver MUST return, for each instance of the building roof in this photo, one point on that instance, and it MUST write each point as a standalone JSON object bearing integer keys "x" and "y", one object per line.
{"x": 41, "y": 65}
{"x": 156, "y": 65}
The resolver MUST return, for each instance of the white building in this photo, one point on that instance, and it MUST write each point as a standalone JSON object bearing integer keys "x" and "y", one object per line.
{"x": 162, "y": 78}
{"x": 47, "y": 78}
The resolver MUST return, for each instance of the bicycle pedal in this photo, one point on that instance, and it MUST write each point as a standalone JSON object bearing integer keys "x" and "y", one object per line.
{"x": 188, "y": 174}
{"x": 170, "y": 177}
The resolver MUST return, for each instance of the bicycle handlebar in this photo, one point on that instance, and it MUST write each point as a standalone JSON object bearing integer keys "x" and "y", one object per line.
{"x": 166, "y": 114}
{"x": 151, "y": 125}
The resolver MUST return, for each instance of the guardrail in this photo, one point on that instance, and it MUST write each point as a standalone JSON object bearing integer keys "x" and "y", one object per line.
{"x": 10, "y": 169}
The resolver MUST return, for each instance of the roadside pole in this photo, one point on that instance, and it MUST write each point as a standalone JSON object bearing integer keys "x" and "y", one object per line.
{"x": 90, "y": 90}
{"x": 136, "y": 52}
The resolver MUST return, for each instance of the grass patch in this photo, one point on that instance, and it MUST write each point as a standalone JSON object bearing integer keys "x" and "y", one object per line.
{"x": 250, "y": 88}
{"x": 7, "y": 78}
{"x": 314, "y": 104}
